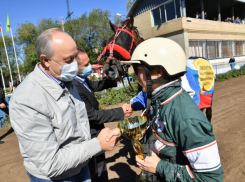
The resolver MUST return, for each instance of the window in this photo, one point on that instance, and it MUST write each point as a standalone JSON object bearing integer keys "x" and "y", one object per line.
{"x": 192, "y": 49}
{"x": 177, "y": 5}
{"x": 197, "y": 48}
{"x": 212, "y": 49}
{"x": 170, "y": 9}
{"x": 166, "y": 12}
{"x": 239, "y": 50}
{"x": 216, "y": 49}
{"x": 163, "y": 14}
{"x": 229, "y": 48}
{"x": 156, "y": 17}
{"x": 224, "y": 49}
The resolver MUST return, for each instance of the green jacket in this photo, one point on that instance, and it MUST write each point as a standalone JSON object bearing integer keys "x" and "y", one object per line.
{"x": 185, "y": 140}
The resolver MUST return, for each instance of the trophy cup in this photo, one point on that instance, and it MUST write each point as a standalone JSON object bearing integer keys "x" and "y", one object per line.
{"x": 134, "y": 129}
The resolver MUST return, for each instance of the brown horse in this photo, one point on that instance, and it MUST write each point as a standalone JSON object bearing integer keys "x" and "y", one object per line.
{"x": 120, "y": 47}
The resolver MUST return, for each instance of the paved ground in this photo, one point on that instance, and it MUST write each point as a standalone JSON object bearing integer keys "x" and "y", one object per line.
{"x": 229, "y": 129}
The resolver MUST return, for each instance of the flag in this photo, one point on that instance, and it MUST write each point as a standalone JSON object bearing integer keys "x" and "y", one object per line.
{"x": 204, "y": 76}
{"x": 8, "y": 24}
{"x": 0, "y": 28}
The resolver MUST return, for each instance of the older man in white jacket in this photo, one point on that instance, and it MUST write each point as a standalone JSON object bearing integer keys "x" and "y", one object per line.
{"x": 49, "y": 118}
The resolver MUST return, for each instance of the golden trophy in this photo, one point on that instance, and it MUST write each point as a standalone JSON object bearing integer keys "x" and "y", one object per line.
{"x": 134, "y": 129}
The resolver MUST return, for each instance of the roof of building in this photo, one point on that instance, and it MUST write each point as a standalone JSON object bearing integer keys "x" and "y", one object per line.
{"x": 140, "y": 6}
{"x": 135, "y": 3}
{"x": 243, "y": 1}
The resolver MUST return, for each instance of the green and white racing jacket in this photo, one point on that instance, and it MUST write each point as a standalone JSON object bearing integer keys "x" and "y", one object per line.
{"x": 184, "y": 139}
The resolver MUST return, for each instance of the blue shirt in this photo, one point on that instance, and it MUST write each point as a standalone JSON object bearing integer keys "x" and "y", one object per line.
{"x": 82, "y": 81}
{"x": 62, "y": 84}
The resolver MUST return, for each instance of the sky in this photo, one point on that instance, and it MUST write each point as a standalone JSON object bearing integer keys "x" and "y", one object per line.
{"x": 33, "y": 10}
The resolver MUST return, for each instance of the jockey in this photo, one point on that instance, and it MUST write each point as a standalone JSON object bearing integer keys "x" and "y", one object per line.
{"x": 188, "y": 83}
{"x": 180, "y": 136}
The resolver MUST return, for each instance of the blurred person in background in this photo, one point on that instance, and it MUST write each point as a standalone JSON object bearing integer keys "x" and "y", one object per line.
{"x": 231, "y": 61}
{"x": 3, "y": 103}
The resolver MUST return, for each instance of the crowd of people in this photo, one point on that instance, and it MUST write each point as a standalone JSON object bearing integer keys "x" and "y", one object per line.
{"x": 60, "y": 128}
{"x": 228, "y": 19}
{"x": 237, "y": 20}
{"x": 198, "y": 16}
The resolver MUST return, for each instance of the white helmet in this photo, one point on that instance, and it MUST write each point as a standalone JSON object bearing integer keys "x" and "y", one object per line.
{"x": 161, "y": 52}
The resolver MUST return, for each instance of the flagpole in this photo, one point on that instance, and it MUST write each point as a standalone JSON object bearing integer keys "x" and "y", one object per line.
{"x": 15, "y": 54}
{"x": 3, "y": 80}
{"x": 7, "y": 59}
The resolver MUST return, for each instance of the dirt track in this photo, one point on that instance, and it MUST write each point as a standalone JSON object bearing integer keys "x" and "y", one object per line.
{"x": 229, "y": 128}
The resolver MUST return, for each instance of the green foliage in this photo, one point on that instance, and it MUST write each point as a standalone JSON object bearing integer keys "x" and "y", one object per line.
{"x": 118, "y": 20}
{"x": 3, "y": 58}
{"x": 94, "y": 78}
{"x": 133, "y": 75}
{"x": 27, "y": 34}
{"x": 129, "y": 4}
{"x": 231, "y": 74}
{"x": 114, "y": 96}
{"x": 7, "y": 124}
{"x": 90, "y": 32}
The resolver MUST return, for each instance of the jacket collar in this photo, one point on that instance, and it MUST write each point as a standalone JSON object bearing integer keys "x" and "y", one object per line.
{"x": 167, "y": 95}
{"x": 50, "y": 86}
{"x": 82, "y": 89}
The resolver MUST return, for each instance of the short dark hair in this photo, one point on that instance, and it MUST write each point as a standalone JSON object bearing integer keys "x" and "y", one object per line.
{"x": 80, "y": 50}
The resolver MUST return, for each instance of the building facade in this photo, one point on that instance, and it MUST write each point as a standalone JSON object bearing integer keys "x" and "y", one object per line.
{"x": 207, "y": 28}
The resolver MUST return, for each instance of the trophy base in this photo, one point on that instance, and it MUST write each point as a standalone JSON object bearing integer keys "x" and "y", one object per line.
{"x": 141, "y": 178}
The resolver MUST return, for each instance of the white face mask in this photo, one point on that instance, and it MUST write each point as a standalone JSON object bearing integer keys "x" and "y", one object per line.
{"x": 68, "y": 71}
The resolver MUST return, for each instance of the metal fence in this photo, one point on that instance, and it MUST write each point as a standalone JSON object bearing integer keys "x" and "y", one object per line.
{"x": 3, "y": 118}
{"x": 120, "y": 84}
{"x": 224, "y": 68}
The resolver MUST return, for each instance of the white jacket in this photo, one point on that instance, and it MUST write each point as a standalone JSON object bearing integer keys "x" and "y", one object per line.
{"x": 52, "y": 127}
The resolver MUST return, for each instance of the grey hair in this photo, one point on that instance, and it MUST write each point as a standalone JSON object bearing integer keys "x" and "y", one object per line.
{"x": 80, "y": 51}
{"x": 44, "y": 44}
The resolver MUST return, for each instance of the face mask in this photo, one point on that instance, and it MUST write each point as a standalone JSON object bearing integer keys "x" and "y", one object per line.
{"x": 68, "y": 71}
{"x": 86, "y": 71}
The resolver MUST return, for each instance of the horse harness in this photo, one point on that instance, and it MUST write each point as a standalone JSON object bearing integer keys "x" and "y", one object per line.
{"x": 113, "y": 65}
{"x": 112, "y": 46}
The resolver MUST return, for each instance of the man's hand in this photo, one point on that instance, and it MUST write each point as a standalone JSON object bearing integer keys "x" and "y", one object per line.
{"x": 2, "y": 105}
{"x": 127, "y": 109}
{"x": 149, "y": 163}
{"x": 108, "y": 138}
{"x": 113, "y": 133}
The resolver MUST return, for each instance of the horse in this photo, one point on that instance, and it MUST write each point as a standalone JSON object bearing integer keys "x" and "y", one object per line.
{"x": 121, "y": 45}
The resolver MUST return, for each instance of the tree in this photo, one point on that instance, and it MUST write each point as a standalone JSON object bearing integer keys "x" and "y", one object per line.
{"x": 129, "y": 4}
{"x": 118, "y": 20}
{"x": 27, "y": 34}
{"x": 3, "y": 58}
{"x": 90, "y": 32}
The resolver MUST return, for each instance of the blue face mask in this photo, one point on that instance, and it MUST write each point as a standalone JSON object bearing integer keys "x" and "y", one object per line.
{"x": 86, "y": 71}
{"x": 68, "y": 71}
